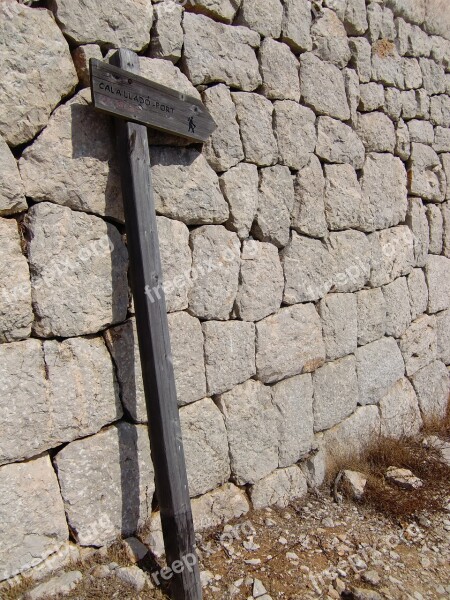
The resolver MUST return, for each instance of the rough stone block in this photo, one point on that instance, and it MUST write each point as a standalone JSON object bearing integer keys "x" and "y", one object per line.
{"x": 309, "y": 268}
{"x": 399, "y": 411}
{"x": 263, "y": 16}
{"x": 379, "y": 365}
{"x": 342, "y": 197}
{"x": 32, "y": 520}
{"x": 443, "y": 336}
{"x": 412, "y": 73}
{"x": 398, "y": 310}
{"x": 296, "y": 24}
{"x": 219, "y": 506}
{"x": 12, "y": 196}
{"x": 437, "y": 20}
{"x": 73, "y": 162}
{"x": 440, "y": 110}
{"x": 107, "y": 483}
{"x": 335, "y": 392}
{"x": 338, "y": 143}
{"x": 166, "y": 39}
{"x": 392, "y": 254}
{"x": 412, "y": 11}
{"x": 426, "y": 177}
{"x": 371, "y": 96}
{"x": 433, "y": 76}
{"x": 393, "y": 103}
{"x": 293, "y": 399}
{"x": 442, "y": 142}
{"x": 16, "y": 315}
{"x": 289, "y": 343}
{"x": 361, "y": 58}
{"x": 418, "y": 344}
{"x": 403, "y": 142}
{"x": 445, "y": 208}
{"x": 339, "y": 324}
{"x": 261, "y": 281}
{"x": 371, "y": 315}
{"x": 185, "y": 186}
{"x": 351, "y": 254}
{"x": 418, "y": 293}
{"x": 355, "y": 17}
{"x": 176, "y": 263}
{"x": 432, "y": 388}
{"x": 322, "y": 87}
{"x": 377, "y": 132}
{"x": 27, "y": 35}
{"x": 437, "y": 273}
{"x": 220, "y": 53}
{"x": 251, "y": 423}
{"x": 308, "y": 214}
{"x": 351, "y": 82}
{"x": 215, "y": 265}
{"x": 239, "y": 185}
{"x": 275, "y": 204}
{"x": 352, "y": 436}
{"x": 205, "y": 446}
{"x": 223, "y": 149}
{"x": 81, "y": 57}
{"x": 82, "y": 259}
{"x": 416, "y": 219}
{"x": 314, "y": 467}
{"x": 295, "y": 131}
{"x": 381, "y": 22}
{"x": 383, "y": 185}
{"x": 279, "y": 71}
{"x": 279, "y": 488}
{"x": 421, "y": 131}
{"x": 411, "y": 40}
{"x": 445, "y": 159}
{"x": 387, "y": 65}
{"x": 229, "y": 354}
{"x": 329, "y": 37}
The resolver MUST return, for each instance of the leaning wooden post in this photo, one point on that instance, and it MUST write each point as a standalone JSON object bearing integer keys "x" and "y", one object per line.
{"x": 154, "y": 347}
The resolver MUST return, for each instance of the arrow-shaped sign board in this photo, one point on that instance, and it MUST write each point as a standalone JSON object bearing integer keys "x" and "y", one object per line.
{"x": 129, "y": 96}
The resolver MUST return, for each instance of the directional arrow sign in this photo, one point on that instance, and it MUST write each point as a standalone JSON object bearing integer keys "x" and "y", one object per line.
{"x": 129, "y": 96}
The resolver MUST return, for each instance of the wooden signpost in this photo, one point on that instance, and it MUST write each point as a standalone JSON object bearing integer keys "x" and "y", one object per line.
{"x": 136, "y": 103}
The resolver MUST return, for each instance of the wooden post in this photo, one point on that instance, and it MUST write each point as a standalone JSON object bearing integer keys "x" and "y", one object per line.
{"x": 154, "y": 346}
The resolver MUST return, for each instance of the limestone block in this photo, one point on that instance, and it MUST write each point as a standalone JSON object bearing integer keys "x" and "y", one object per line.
{"x": 82, "y": 259}
{"x": 295, "y": 131}
{"x": 229, "y": 354}
{"x": 423, "y": 104}
{"x": 338, "y": 143}
{"x": 442, "y": 141}
{"x": 261, "y": 281}
{"x": 416, "y": 219}
{"x": 335, "y": 392}
{"x": 445, "y": 208}
{"x": 361, "y": 58}
{"x": 371, "y": 96}
{"x": 418, "y": 344}
{"x": 437, "y": 20}
{"x": 435, "y": 222}
{"x": 443, "y": 336}
{"x": 289, "y": 343}
{"x": 220, "y": 10}
{"x": 433, "y": 76}
{"x": 251, "y": 423}
{"x": 421, "y": 131}
{"x": 293, "y": 399}
{"x": 16, "y": 315}
{"x": 296, "y": 24}
{"x": 339, "y": 324}
{"x": 308, "y": 214}
{"x": 254, "y": 114}
{"x": 371, "y": 315}
{"x": 239, "y": 185}
{"x": 412, "y": 73}
{"x": 74, "y": 161}
{"x": 309, "y": 268}
{"x": 393, "y": 103}
{"x": 223, "y": 149}
{"x": 322, "y": 87}
{"x": 219, "y": 506}
{"x": 33, "y": 524}
{"x": 432, "y": 388}
{"x": 403, "y": 142}
{"x": 445, "y": 159}
{"x": 12, "y": 196}
{"x": 410, "y": 109}
{"x": 383, "y": 185}
{"x": 314, "y": 467}
{"x": 379, "y": 365}
{"x": 205, "y": 446}
{"x": 377, "y": 132}
{"x": 355, "y": 17}
{"x": 440, "y": 110}
{"x": 164, "y": 72}
{"x": 392, "y": 254}
{"x": 126, "y": 23}
{"x": 437, "y": 273}
{"x": 412, "y": 11}
{"x": 214, "y": 52}
{"x": 418, "y": 293}
{"x": 166, "y": 40}
{"x": 381, "y": 23}
{"x": 36, "y": 70}
{"x": 411, "y": 40}
{"x": 176, "y": 263}
{"x": 351, "y": 82}
{"x": 279, "y": 71}
{"x": 275, "y": 204}
{"x": 329, "y": 37}
{"x": 398, "y": 310}
{"x": 263, "y": 16}
{"x": 342, "y": 197}
{"x": 387, "y": 64}
{"x": 351, "y": 253}
{"x": 185, "y": 187}
{"x": 352, "y": 436}
{"x": 81, "y": 57}
{"x": 399, "y": 411}
{"x": 106, "y": 482}
{"x": 279, "y": 488}
{"x": 440, "y": 51}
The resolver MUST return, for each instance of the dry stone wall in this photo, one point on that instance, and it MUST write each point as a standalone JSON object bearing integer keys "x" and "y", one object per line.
{"x": 305, "y": 249}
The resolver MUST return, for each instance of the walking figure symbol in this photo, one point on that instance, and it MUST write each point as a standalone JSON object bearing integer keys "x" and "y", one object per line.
{"x": 192, "y": 125}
